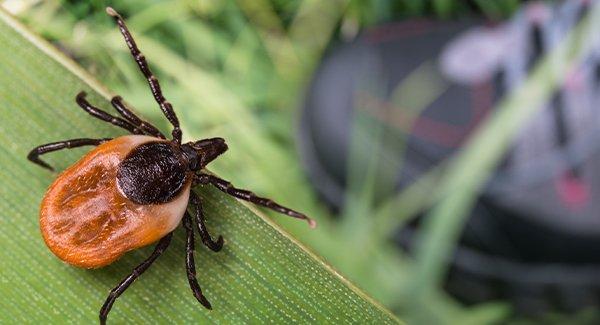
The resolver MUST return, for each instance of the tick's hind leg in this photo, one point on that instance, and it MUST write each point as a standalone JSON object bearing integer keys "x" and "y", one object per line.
{"x": 202, "y": 230}
{"x": 34, "y": 154}
{"x": 137, "y": 271}
{"x": 102, "y": 115}
{"x": 246, "y": 195}
{"x": 117, "y": 103}
{"x": 190, "y": 265}
{"x": 139, "y": 58}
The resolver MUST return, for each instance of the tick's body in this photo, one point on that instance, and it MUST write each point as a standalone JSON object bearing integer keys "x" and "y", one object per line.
{"x": 133, "y": 190}
{"x": 86, "y": 218}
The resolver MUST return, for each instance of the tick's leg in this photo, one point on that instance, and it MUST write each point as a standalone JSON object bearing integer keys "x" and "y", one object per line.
{"x": 139, "y": 58}
{"x": 190, "y": 266}
{"x": 100, "y": 114}
{"x": 226, "y": 187}
{"x": 34, "y": 154}
{"x": 202, "y": 230}
{"x": 117, "y": 103}
{"x": 137, "y": 271}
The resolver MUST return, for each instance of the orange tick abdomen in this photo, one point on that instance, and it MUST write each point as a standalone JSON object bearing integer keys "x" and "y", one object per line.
{"x": 87, "y": 221}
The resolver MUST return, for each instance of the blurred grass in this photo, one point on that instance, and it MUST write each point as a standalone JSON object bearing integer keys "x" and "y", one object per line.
{"x": 237, "y": 69}
{"x": 471, "y": 168}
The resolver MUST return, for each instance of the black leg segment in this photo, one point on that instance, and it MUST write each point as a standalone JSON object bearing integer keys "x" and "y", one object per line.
{"x": 100, "y": 114}
{"x": 190, "y": 265}
{"x": 139, "y": 58}
{"x": 117, "y": 103}
{"x": 34, "y": 154}
{"x": 137, "y": 271}
{"x": 201, "y": 226}
{"x": 226, "y": 187}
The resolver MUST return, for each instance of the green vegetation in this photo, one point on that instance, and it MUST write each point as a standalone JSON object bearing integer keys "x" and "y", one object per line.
{"x": 237, "y": 69}
{"x": 262, "y": 275}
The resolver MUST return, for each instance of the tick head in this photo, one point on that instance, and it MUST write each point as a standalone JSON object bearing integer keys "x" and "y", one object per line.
{"x": 202, "y": 152}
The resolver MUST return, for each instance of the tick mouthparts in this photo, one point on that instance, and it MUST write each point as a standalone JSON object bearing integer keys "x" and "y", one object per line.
{"x": 311, "y": 223}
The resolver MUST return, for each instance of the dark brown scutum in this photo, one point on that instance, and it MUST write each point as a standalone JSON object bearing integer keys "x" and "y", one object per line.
{"x": 152, "y": 173}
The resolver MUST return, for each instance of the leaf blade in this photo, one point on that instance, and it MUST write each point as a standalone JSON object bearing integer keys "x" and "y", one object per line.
{"x": 262, "y": 274}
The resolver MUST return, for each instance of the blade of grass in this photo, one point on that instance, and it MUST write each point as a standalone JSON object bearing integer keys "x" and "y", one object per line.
{"x": 261, "y": 276}
{"x": 270, "y": 28}
{"x": 313, "y": 26}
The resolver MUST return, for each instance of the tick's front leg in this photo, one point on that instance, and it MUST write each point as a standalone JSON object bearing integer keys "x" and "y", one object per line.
{"x": 249, "y": 196}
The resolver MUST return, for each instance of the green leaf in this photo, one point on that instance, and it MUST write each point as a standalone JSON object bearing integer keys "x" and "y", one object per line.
{"x": 261, "y": 276}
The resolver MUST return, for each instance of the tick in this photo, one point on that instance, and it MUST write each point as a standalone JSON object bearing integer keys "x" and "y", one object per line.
{"x": 133, "y": 190}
